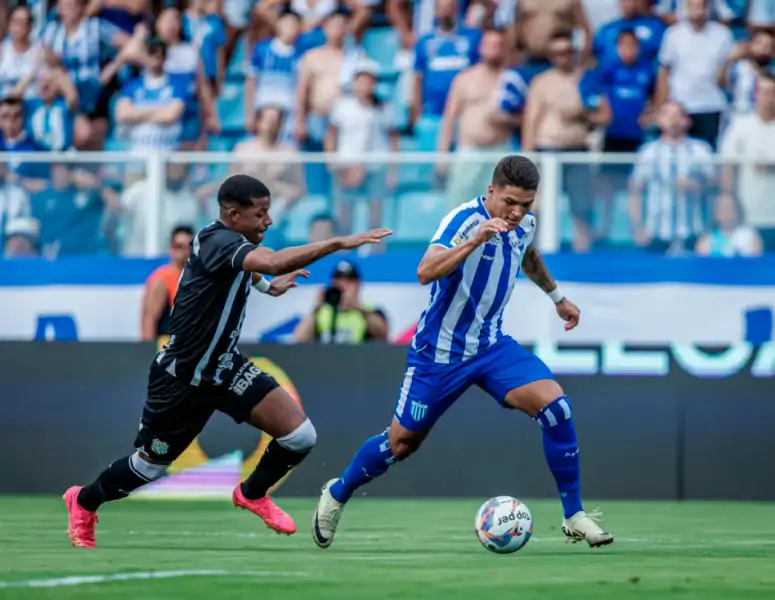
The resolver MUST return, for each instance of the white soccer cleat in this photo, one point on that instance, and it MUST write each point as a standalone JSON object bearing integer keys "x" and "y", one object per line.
{"x": 326, "y": 518}
{"x": 583, "y": 527}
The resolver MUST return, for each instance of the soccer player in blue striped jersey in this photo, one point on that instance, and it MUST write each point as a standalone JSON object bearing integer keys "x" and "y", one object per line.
{"x": 472, "y": 265}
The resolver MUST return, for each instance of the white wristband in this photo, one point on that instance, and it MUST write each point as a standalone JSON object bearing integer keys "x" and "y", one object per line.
{"x": 263, "y": 285}
{"x": 556, "y": 295}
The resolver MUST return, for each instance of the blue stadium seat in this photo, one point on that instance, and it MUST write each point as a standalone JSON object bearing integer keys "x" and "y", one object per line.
{"x": 426, "y": 130}
{"x": 299, "y": 218}
{"x": 231, "y": 109}
{"x": 236, "y": 67}
{"x": 381, "y": 45}
{"x": 419, "y": 213}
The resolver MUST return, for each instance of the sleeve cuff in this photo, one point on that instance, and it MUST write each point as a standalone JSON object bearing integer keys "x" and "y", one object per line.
{"x": 239, "y": 256}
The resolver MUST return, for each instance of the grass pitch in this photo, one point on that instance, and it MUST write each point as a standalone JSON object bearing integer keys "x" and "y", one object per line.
{"x": 409, "y": 549}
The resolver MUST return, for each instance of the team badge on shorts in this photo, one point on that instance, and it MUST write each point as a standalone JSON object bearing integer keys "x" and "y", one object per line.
{"x": 418, "y": 410}
{"x": 159, "y": 448}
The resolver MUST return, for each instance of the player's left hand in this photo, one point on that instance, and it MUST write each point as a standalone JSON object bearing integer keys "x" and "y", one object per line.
{"x": 283, "y": 283}
{"x": 569, "y": 313}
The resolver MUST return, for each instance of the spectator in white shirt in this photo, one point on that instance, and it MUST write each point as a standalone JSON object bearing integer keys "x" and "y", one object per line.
{"x": 750, "y": 139}
{"x": 692, "y": 55}
{"x": 178, "y": 205}
{"x": 21, "y": 59}
{"x": 729, "y": 237}
{"x": 361, "y": 125}
{"x": 672, "y": 173}
{"x": 744, "y": 65}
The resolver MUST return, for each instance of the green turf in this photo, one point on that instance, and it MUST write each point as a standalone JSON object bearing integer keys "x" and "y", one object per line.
{"x": 391, "y": 549}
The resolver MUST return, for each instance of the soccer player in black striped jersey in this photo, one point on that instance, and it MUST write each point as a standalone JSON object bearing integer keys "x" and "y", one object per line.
{"x": 200, "y": 370}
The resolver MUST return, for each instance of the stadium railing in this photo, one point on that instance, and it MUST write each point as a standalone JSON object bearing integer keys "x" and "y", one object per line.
{"x": 414, "y": 190}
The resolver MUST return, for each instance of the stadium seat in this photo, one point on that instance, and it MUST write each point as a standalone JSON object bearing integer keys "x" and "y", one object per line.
{"x": 231, "y": 109}
{"x": 236, "y": 67}
{"x": 381, "y": 45}
{"x": 298, "y": 219}
{"x": 426, "y": 130}
{"x": 418, "y": 215}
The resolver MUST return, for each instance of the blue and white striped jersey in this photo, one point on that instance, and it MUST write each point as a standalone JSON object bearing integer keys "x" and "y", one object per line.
{"x": 52, "y": 125}
{"x": 83, "y": 53}
{"x": 465, "y": 311}
{"x": 274, "y": 65}
{"x": 156, "y": 92}
{"x": 673, "y": 209}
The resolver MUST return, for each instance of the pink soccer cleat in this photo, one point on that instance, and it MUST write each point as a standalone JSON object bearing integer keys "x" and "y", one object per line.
{"x": 82, "y": 521}
{"x": 274, "y": 516}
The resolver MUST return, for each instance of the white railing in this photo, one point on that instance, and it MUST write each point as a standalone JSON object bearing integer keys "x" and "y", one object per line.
{"x": 154, "y": 170}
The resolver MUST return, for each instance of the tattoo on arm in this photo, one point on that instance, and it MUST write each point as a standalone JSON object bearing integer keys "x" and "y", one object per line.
{"x": 534, "y": 267}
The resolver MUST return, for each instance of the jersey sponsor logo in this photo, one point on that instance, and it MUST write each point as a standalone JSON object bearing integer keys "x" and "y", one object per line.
{"x": 245, "y": 376}
{"x": 462, "y": 236}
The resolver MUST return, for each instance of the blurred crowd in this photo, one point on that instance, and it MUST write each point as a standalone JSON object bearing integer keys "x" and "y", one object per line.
{"x": 677, "y": 82}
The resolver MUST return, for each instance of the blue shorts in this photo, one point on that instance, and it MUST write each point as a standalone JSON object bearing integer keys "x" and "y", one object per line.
{"x": 430, "y": 388}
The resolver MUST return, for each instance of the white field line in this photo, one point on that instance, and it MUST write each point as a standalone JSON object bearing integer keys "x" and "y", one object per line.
{"x": 142, "y": 575}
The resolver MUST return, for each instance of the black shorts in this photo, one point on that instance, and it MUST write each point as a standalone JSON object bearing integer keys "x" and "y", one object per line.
{"x": 176, "y": 411}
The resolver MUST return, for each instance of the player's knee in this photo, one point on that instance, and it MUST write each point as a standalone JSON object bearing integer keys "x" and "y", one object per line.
{"x": 555, "y": 412}
{"x": 147, "y": 468}
{"x": 301, "y": 439}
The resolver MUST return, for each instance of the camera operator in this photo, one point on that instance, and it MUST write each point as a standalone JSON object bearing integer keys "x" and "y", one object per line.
{"x": 340, "y": 317}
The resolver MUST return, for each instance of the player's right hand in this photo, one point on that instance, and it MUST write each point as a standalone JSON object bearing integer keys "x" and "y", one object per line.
{"x": 361, "y": 239}
{"x": 489, "y": 229}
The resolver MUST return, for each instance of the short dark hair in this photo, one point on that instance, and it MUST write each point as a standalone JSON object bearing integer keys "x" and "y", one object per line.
{"x": 628, "y": 33}
{"x": 241, "y": 190}
{"x": 289, "y": 13}
{"x": 518, "y": 171}
{"x": 11, "y": 101}
{"x": 187, "y": 229}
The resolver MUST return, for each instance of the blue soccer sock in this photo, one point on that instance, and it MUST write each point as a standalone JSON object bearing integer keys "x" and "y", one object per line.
{"x": 372, "y": 460}
{"x": 562, "y": 452}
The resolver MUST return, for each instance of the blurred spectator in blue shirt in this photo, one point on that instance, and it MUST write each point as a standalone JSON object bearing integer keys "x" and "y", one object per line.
{"x": 207, "y": 32}
{"x": 439, "y": 57}
{"x": 81, "y": 45}
{"x": 153, "y": 104}
{"x": 20, "y": 57}
{"x": 124, "y": 14}
{"x": 183, "y": 63}
{"x": 512, "y": 95}
{"x": 70, "y": 212}
{"x": 629, "y": 82}
{"x": 743, "y": 67}
{"x": 272, "y": 75}
{"x": 15, "y": 138}
{"x": 52, "y": 115}
{"x": 648, "y": 30}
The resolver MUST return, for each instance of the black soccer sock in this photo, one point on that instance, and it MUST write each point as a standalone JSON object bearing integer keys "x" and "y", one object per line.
{"x": 114, "y": 483}
{"x": 276, "y": 462}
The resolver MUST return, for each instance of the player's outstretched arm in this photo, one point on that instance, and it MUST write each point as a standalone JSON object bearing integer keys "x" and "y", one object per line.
{"x": 439, "y": 261}
{"x": 281, "y": 262}
{"x": 535, "y": 268}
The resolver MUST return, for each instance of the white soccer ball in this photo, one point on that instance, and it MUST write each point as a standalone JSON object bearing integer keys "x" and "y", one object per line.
{"x": 503, "y": 525}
